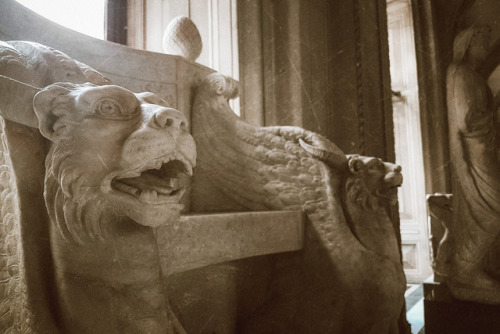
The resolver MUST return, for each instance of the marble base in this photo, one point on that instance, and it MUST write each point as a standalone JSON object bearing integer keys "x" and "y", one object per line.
{"x": 445, "y": 314}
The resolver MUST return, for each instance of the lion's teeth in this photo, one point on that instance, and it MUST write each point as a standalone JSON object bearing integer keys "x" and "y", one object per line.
{"x": 153, "y": 195}
{"x": 146, "y": 195}
{"x": 173, "y": 183}
{"x": 188, "y": 170}
{"x": 165, "y": 191}
{"x": 149, "y": 195}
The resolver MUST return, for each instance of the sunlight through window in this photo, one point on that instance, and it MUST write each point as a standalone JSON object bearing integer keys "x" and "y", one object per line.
{"x": 86, "y": 16}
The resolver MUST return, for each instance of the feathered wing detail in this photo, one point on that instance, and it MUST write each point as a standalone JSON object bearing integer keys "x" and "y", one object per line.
{"x": 14, "y": 313}
{"x": 323, "y": 287}
{"x": 262, "y": 168}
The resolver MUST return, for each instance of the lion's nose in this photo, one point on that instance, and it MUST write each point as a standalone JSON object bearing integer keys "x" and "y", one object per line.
{"x": 168, "y": 117}
{"x": 397, "y": 169}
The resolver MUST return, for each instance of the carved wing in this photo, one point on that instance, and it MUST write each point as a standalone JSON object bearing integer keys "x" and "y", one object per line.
{"x": 262, "y": 168}
{"x": 12, "y": 286}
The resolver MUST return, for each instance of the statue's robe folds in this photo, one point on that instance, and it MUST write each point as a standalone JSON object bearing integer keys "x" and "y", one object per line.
{"x": 476, "y": 186}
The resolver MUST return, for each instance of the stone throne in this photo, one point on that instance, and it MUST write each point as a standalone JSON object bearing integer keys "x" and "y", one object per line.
{"x": 336, "y": 269}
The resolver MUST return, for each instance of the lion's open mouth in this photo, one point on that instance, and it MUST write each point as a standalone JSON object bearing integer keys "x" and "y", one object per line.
{"x": 157, "y": 183}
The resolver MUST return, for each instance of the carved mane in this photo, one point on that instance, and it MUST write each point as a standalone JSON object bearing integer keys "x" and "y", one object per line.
{"x": 27, "y": 245}
{"x": 358, "y": 192}
{"x": 111, "y": 151}
{"x": 77, "y": 214}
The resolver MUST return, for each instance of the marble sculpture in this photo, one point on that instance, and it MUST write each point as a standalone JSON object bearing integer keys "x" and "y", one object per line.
{"x": 350, "y": 261}
{"x": 110, "y": 175}
{"x": 472, "y": 263}
{"x": 102, "y": 162}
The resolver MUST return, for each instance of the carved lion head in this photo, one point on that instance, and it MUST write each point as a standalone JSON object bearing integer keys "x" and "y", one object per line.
{"x": 114, "y": 154}
{"x": 372, "y": 181}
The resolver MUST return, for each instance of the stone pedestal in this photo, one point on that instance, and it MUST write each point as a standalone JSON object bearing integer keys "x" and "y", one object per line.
{"x": 445, "y": 314}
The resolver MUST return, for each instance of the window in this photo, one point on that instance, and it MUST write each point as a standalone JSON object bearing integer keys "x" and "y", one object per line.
{"x": 86, "y": 16}
{"x": 216, "y": 21}
{"x": 145, "y": 22}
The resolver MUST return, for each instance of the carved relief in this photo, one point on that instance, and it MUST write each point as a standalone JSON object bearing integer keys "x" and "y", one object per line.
{"x": 112, "y": 158}
{"x": 112, "y": 150}
{"x": 11, "y": 296}
{"x": 114, "y": 162}
{"x": 110, "y": 175}
{"x": 349, "y": 277}
{"x": 475, "y": 227}
{"x": 372, "y": 181}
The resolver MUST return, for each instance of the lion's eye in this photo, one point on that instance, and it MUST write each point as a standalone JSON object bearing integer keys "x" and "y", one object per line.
{"x": 111, "y": 109}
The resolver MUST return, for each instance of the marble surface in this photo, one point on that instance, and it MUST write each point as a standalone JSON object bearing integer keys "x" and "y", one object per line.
{"x": 205, "y": 239}
{"x": 347, "y": 264}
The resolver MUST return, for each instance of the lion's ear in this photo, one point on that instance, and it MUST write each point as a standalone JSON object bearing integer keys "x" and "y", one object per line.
{"x": 355, "y": 164}
{"x": 50, "y": 104}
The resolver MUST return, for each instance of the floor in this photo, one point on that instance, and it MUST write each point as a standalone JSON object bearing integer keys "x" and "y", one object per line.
{"x": 414, "y": 296}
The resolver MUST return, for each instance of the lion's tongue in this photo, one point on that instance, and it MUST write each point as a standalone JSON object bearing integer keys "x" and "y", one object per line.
{"x": 162, "y": 186}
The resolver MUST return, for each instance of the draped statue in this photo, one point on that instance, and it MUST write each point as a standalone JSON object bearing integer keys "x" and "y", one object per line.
{"x": 471, "y": 267}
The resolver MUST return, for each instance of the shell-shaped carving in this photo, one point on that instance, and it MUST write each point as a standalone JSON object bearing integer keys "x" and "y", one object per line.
{"x": 181, "y": 37}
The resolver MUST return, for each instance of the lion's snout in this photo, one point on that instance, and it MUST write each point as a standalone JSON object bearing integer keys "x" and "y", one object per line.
{"x": 168, "y": 118}
{"x": 393, "y": 179}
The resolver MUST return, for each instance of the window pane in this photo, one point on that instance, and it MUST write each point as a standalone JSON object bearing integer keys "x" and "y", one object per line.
{"x": 86, "y": 16}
